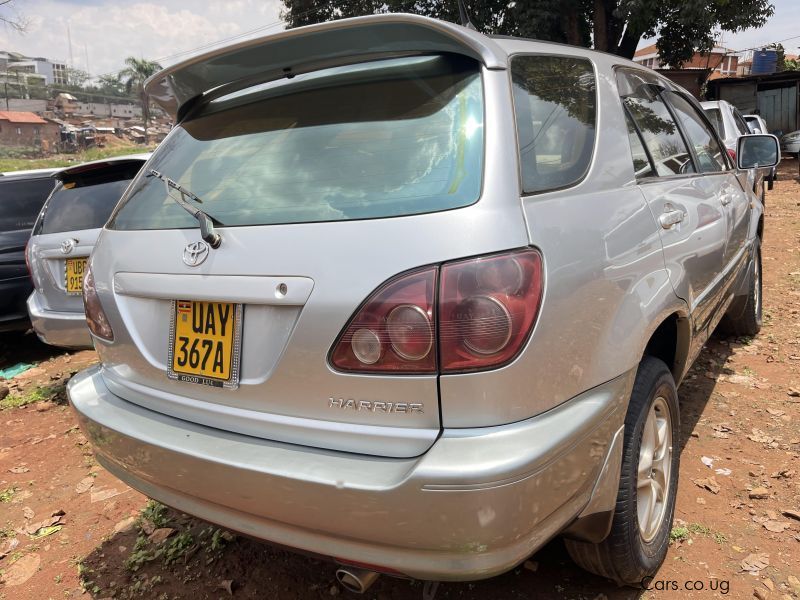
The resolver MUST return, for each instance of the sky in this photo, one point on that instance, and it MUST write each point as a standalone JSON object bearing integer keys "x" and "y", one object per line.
{"x": 105, "y": 32}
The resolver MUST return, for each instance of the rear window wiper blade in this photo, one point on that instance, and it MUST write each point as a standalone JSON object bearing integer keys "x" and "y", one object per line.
{"x": 206, "y": 222}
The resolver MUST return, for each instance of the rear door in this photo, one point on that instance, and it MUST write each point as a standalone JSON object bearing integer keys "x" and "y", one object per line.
{"x": 324, "y": 187}
{"x": 68, "y": 226}
{"x": 684, "y": 199}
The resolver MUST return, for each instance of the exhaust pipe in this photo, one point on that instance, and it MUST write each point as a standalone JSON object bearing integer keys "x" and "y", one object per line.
{"x": 356, "y": 580}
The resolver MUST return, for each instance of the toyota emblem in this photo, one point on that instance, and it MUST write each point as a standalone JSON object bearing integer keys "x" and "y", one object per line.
{"x": 68, "y": 246}
{"x": 195, "y": 254}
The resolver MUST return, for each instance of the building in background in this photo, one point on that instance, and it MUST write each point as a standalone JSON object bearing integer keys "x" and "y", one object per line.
{"x": 50, "y": 71}
{"x": 721, "y": 62}
{"x": 25, "y": 129}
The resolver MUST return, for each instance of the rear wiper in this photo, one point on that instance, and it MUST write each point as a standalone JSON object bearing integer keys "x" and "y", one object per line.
{"x": 206, "y": 223}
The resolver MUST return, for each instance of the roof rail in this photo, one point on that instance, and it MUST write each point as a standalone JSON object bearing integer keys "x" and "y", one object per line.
{"x": 346, "y": 41}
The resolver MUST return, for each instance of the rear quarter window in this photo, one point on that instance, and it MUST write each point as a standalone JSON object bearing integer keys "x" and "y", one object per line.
{"x": 21, "y": 201}
{"x": 555, "y": 104}
{"x": 86, "y": 200}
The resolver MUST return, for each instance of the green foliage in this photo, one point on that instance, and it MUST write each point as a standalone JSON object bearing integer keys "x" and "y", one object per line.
{"x": 678, "y": 534}
{"x": 614, "y": 25}
{"x": 137, "y": 71}
{"x": 7, "y": 494}
{"x": 17, "y": 162}
{"x": 155, "y": 513}
{"x": 39, "y": 394}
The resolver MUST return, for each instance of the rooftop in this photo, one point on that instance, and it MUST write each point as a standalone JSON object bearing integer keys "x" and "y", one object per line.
{"x": 20, "y": 117}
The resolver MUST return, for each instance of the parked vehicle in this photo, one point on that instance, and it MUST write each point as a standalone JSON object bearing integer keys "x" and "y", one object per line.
{"x": 22, "y": 195}
{"x": 63, "y": 238}
{"x": 756, "y": 123}
{"x": 730, "y": 124}
{"x": 393, "y": 305}
{"x": 790, "y": 144}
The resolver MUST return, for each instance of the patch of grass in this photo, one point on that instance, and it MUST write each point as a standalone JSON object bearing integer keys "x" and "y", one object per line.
{"x": 156, "y": 513}
{"x": 178, "y": 547}
{"x": 678, "y": 534}
{"x": 7, "y": 494}
{"x": 16, "y": 162}
{"x": 39, "y": 394}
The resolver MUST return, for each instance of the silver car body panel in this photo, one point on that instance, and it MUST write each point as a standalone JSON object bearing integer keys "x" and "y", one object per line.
{"x": 57, "y": 317}
{"x": 476, "y": 504}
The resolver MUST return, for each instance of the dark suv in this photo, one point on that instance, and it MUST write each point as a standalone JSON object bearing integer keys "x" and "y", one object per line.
{"x": 22, "y": 195}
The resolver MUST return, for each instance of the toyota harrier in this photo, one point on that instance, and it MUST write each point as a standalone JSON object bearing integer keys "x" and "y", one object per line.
{"x": 418, "y": 299}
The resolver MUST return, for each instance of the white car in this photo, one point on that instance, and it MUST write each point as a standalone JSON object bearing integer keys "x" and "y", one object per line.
{"x": 790, "y": 143}
{"x": 756, "y": 123}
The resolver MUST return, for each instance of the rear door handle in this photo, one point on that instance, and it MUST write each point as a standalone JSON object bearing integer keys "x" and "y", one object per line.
{"x": 671, "y": 217}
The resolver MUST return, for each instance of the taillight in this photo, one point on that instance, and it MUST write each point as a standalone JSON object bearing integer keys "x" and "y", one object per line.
{"x": 486, "y": 309}
{"x": 95, "y": 316}
{"x": 394, "y": 329}
{"x": 732, "y": 154}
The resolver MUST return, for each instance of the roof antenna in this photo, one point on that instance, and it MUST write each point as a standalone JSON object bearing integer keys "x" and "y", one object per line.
{"x": 462, "y": 13}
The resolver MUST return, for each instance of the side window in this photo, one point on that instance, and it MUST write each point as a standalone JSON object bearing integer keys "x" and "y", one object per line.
{"x": 641, "y": 162}
{"x": 706, "y": 148}
{"x": 643, "y": 102}
{"x": 740, "y": 123}
{"x": 555, "y": 107}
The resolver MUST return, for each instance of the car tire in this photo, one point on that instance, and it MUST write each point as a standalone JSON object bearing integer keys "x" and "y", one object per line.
{"x": 744, "y": 316}
{"x": 636, "y": 546}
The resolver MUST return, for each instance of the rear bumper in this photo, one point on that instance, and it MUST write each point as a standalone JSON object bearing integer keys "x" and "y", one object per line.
{"x": 476, "y": 504}
{"x": 67, "y": 329}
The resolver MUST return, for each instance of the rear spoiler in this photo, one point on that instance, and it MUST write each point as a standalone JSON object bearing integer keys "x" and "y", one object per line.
{"x": 347, "y": 41}
{"x": 98, "y": 165}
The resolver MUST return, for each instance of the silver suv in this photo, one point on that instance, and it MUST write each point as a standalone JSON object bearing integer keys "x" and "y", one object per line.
{"x": 417, "y": 299}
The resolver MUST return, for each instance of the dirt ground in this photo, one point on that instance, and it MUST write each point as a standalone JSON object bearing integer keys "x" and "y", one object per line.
{"x": 69, "y": 528}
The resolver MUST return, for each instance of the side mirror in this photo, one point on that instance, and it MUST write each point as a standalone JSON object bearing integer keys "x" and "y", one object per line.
{"x": 757, "y": 150}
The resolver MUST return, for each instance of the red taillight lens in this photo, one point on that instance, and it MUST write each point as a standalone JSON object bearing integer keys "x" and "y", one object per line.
{"x": 487, "y": 308}
{"x": 732, "y": 154}
{"x": 394, "y": 330}
{"x": 95, "y": 316}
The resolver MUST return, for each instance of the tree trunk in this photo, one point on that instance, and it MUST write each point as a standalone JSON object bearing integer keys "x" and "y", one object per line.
{"x": 571, "y": 26}
{"x": 628, "y": 43}
{"x": 600, "y": 26}
{"x": 145, "y": 112}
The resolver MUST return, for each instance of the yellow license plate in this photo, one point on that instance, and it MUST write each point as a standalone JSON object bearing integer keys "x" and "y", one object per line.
{"x": 205, "y": 342}
{"x": 74, "y": 270}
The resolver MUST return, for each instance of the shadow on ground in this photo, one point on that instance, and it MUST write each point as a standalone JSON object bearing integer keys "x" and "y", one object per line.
{"x": 24, "y": 347}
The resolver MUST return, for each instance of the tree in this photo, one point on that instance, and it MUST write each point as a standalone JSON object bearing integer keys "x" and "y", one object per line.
{"x": 615, "y": 26}
{"x": 76, "y": 77}
{"x": 780, "y": 56}
{"x": 111, "y": 84}
{"x": 12, "y": 18}
{"x": 134, "y": 76}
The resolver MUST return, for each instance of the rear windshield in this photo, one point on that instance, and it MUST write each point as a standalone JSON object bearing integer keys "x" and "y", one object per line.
{"x": 393, "y": 137}
{"x": 21, "y": 201}
{"x": 86, "y": 200}
{"x": 715, "y": 116}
